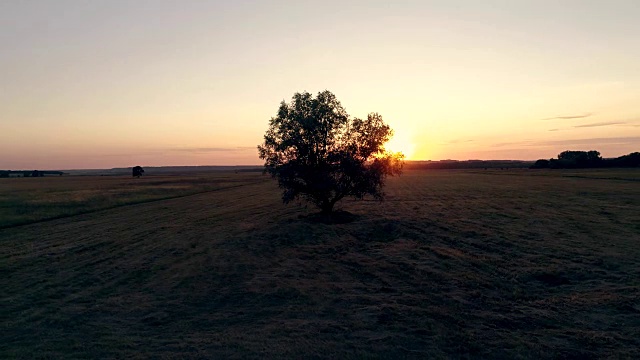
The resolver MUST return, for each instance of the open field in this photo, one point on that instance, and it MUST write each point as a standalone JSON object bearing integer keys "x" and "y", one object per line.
{"x": 495, "y": 264}
{"x": 26, "y": 200}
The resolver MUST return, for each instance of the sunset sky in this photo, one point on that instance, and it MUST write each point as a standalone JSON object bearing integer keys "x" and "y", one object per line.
{"x": 100, "y": 84}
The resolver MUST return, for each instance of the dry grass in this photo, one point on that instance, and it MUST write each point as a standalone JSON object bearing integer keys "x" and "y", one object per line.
{"x": 27, "y": 200}
{"x": 512, "y": 264}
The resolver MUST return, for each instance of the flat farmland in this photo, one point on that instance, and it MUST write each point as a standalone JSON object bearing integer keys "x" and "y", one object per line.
{"x": 28, "y": 200}
{"x": 465, "y": 264}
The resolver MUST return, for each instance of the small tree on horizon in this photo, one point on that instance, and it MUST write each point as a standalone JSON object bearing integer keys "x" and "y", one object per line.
{"x": 137, "y": 171}
{"x": 317, "y": 152}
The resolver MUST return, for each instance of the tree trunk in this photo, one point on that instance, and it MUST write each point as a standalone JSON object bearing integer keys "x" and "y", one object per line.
{"x": 327, "y": 207}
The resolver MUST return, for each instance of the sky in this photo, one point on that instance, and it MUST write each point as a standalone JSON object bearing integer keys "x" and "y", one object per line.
{"x": 101, "y": 84}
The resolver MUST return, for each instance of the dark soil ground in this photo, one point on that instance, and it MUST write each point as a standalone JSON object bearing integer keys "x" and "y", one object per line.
{"x": 493, "y": 264}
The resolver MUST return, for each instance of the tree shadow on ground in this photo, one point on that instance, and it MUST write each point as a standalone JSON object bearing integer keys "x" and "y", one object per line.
{"x": 335, "y": 217}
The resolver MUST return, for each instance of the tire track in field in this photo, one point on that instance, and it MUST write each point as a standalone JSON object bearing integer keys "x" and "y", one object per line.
{"x": 122, "y": 205}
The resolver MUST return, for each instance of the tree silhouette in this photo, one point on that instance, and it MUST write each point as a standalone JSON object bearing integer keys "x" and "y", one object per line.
{"x": 137, "y": 171}
{"x": 579, "y": 159}
{"x": 630, "y": 160}
{"x": 317, "y": 152}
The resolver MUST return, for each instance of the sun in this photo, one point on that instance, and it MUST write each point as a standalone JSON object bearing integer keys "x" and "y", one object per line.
{"x": 401, "y": 143}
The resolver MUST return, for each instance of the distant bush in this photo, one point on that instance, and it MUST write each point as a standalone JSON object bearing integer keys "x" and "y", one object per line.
{"x": 630, "y": 160}
{"x": 541, "y": 164}
{"x": 137, "y": 171}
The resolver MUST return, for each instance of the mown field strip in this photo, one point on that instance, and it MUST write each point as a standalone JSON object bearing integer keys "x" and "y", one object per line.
{"x": 27, "y": 203}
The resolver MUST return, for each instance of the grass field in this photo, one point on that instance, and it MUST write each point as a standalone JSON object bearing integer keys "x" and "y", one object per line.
{"x": 471, "y": 264}
{"x": 27, "y": 200}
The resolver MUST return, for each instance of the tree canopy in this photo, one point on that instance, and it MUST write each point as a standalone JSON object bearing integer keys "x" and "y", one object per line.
{"x": 318, "y": 152}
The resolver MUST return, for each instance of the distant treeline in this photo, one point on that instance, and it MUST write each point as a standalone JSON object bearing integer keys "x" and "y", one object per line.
{"x": 27, "y": 173}
{"x": 587, "y": 159}
{"x": 468, "y": 164}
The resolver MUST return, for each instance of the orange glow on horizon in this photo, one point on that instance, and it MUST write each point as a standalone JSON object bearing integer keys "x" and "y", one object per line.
{"x": 453, "y": 82}
{"x": 402, "y": 143}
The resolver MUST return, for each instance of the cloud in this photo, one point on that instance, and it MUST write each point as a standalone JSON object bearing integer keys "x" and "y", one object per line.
{"x": 607, "y": 123}
{"x": 457, "y": 141}
{"x": 630, "y": 140}
{"x": 214, "y": 149}
{"x": 630, "y": 123}
{"x": 519, "y": 143}
{"x": 568, "y": 117}
{"x": 594, "y": 141}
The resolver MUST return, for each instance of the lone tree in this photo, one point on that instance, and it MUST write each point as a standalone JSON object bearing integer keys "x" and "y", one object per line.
{"x": 137, "y": 171}
{"x": 319, "y": 153}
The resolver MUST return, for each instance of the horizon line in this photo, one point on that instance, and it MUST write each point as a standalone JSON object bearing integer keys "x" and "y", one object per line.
{"x": 240, "y": 165}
